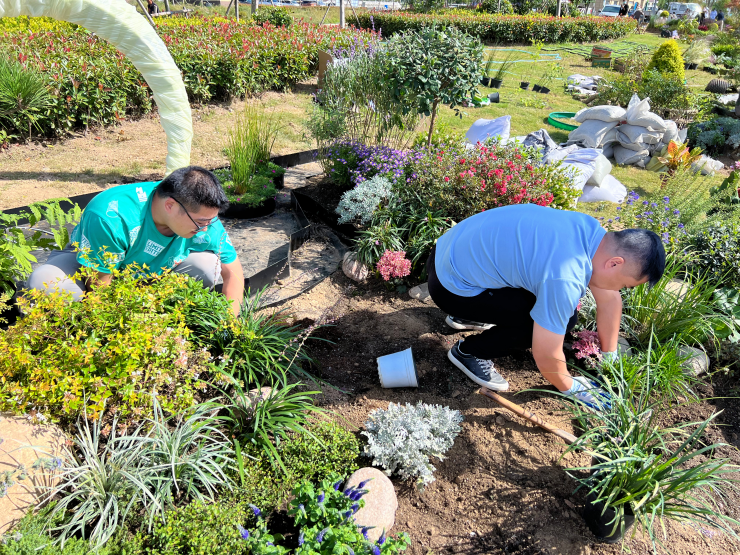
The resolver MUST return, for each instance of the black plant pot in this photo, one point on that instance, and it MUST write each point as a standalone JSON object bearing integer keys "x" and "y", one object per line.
{"x": 536, "y": 88}
{"x": 693, "y": 66}
{"x": 686, "y": 65}
{"x": 712, "y": 70}
{"x": 496, "y": 83}
{"x": 603, "y": 525}
{"x": 279, "y": 181}
{"x": 544, "y": 90}
{"x": 494, "y": 97}
{"x": 524, "y": 85}
{"x": 244, "y": 212}
{"x": 486, "y": 81}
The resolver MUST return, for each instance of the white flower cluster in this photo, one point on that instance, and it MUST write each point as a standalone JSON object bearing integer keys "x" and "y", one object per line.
{"x": 402, "y": 438}
{"x": 361, "y": 202}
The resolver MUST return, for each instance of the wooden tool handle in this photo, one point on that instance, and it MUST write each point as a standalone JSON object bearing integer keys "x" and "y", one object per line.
{"x": 527, "y": 415}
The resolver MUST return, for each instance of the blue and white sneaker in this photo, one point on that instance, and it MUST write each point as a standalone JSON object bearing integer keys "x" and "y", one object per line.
{"x": 586, "y": 392}
{"x": 461, "y": 324}
{"x": 479, "y": 370}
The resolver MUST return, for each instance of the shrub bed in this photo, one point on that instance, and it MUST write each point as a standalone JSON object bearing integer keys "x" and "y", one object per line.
{"x": 506, "y": 29}
{"x": 93, "y": 83}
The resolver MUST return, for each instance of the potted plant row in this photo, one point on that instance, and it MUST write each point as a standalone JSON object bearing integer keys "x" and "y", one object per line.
{"x": 495, "y": 78}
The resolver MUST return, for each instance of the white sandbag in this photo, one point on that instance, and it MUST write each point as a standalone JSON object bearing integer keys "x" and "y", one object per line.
{"x": 637, "y": 107}
{"x": 682, "y": 135}
{"x": 581, "y": 165}
{"x": 583, "y": 156}
{"x": 626, "y": 157}
{"x": 603, "y": 167}
{"x": 591, "y": 132}
{"x": 707, "y": 165}
{"x": 671, "y": 132}
{"x": 602, "y": 113}
{"x": 484, "y": 129}
{"x": 579, "y": 173}
{"x": 559, "y": 154}
{"x": 650, "y": 120}
{"x": 624, "y": 142}
{"x": 610, "y": 137}
{"x": 608, "y": 151}
{"x": 610, "y": 190}
{"x": 638, "y": 134}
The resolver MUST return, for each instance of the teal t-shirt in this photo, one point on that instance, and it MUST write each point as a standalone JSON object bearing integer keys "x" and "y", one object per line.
{"x": 117, "y": 230}
{"x": 546, "y": 251}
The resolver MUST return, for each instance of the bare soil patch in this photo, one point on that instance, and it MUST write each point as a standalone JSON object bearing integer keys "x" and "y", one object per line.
{"x": 503, "y": 488}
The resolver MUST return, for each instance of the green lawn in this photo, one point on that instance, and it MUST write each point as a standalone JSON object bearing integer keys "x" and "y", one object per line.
{"x": 529, "y": 110}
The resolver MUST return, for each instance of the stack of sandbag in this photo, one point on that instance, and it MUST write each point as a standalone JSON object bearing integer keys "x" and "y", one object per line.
{"x": 629, "y": 136}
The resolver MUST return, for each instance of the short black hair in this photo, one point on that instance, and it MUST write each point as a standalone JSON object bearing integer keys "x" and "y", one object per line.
{"x": 644, "y": 248}
{"x": 194, "y": 187}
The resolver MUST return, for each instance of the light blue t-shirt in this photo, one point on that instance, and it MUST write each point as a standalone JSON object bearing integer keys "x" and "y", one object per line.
{"x": 543, "y": 250}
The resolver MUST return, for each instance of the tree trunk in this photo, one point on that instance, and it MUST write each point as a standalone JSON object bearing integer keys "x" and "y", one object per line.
{"x": 431, "y": 124}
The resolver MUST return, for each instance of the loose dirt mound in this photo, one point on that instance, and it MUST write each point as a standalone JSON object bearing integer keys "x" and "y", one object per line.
{"x": 502, "y": 488}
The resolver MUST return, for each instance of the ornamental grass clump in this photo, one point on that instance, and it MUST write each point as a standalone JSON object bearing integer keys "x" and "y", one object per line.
{"x": 402, "y": 438}
{"x": 689, "y": 313}
{"x": 105, "y": 477}
{"x": 643, "y": 468}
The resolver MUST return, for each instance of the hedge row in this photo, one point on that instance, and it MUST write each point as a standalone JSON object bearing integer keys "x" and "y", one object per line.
{"x": 92, "y": 82}
{"x": 506, "y": 29}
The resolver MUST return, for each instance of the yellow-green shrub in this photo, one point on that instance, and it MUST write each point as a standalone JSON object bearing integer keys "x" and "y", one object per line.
{"x": 112, "y": 351}
{"x": 668, "y": 60}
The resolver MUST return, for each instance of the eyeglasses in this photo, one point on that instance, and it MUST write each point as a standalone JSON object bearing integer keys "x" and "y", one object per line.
{"x": 198, "y": 227}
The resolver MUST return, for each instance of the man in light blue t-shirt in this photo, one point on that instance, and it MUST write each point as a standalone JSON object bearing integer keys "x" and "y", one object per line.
{"x": 517, "y": 273}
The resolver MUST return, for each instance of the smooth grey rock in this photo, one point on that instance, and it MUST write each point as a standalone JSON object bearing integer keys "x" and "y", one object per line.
{"x": 678, "y": 288}
{"x": 420, "y": 292}
{"x": 352, "y": 268}
{"x": 381, "y": 502}
{"x": 697, "y": 363}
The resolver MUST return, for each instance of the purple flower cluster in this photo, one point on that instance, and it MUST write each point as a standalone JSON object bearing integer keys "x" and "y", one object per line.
{"x": 659, "y": 217}
{"x": 381, "y": 160}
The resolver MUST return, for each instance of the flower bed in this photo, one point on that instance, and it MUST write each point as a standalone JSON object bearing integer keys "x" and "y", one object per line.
{"x": 93, "y": 83}
{"x": 509, "y": 29}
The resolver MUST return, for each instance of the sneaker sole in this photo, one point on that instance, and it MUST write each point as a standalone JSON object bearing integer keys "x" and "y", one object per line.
{"x": 455, "y": 326}
{"x": 476, "y": 379}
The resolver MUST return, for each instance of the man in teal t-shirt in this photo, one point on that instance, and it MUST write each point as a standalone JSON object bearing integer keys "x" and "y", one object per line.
{"x": 170, "y": 225}
{"x": 517, "y": 273}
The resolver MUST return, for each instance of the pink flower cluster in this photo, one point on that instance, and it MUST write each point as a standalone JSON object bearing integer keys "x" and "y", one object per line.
{"x": 393, "y": 264}
{"x": 588, "y": 347}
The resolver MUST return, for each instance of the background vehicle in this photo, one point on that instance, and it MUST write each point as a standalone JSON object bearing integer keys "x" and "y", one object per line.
{"x": 609, "y": 11}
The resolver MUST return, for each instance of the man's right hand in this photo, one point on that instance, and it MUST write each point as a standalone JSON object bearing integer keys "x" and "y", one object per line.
{"x": 97, "y": 281}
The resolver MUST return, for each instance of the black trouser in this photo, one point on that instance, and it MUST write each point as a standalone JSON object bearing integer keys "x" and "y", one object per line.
{"x": 508, "y": 308}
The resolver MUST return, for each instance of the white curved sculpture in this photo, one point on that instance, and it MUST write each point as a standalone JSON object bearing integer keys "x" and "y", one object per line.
{"x": 120, "y": 24}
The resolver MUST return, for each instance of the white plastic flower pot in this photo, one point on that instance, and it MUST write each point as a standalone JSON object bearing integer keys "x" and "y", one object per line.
{"x": 397, "y": 370}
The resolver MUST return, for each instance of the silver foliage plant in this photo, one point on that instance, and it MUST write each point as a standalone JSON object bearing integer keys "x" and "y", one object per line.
{"x": 401, "y": 439}
{"x": 360, "y": 203}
